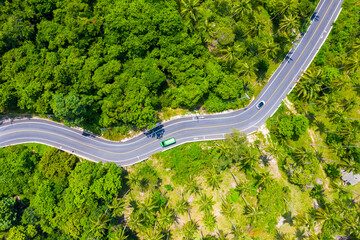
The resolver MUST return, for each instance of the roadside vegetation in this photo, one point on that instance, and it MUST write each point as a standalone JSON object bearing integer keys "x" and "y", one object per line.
{"x": 110, "y": 64}
{"x": 281, "y": 183}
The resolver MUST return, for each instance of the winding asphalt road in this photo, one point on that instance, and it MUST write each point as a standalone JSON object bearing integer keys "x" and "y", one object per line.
{"x": 187, "y": 129}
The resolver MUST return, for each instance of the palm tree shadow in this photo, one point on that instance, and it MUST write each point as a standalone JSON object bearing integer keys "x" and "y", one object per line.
{"x": 321, "y": 127}
{"x": 289, "y": 218}
{"x": 314, "y": 17}
{"x": 300, "y": 234}
{"x": 288, "y": 59}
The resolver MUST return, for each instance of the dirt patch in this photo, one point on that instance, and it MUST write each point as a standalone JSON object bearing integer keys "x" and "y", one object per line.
{"x": 290, "y": 106}
{"x": 273, "y": 167}
{"x": 312, "y": 135}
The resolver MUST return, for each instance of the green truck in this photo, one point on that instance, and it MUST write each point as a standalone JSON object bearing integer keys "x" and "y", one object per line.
{"x": 167, "y": 142}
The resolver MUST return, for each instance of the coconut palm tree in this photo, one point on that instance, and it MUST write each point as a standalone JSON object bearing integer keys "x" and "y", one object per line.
{"x": 136, "y": 221}
{"x": 213, "y": 179}
{"x": 209, "y": 221}
{"x": 182, "y": 206}
{"x": 230, "y": 55}
{"x": 340, "y": 189}
{"x": 224, "y": 149}
{"x": 242, "y": 9}
{"x": 99, "y": 226}
{"x": 352, "y": 225}
{"x": 166, "y": 217}
{"x": 288, "y": 24}
{"x": 342, "y": 83}
{"x": 207, "y": 30}
{"x": 119, "y": 234}
{"x": 250, "y": 158}
{"x": 134, "y": 180}
{"x": 153, "y": 234}
{"x": 352, "y": 64}
{"x": 349, "y": 104}
{"x": 270, "y": 49}
{"x": 257, "y": 26}
{"x": 287, "y": 6}
{"x": 221, "y": 234}
{"x": 328, "y": 216}
{"x": 327, "y": 102}
{"x": 192, "y": 186}
{"x": 248, "y": 69}
{"x": 338, "y": 149}
{"x": 147, "y": 210}
{"x": 264, "y": 178}
{"x": 304, "y": 156}
{"x": 227, "y": 209}
{"x": 351, "y": 132}
{"x": 337, "y": 116}
{"x": 349, "y": 164}
{"x": 117, "y": 206}
{"x": 189, "y": 229}
{"x": 252, "y": 212}
{"x": 275, "y": 149}
{"x": 206, "y": 203}
{"x": 244, "y": 187}
{"x": 239, "y": 233}
{"x": 306, "y": 221}
{"x": 189, "y": 9}
{"x": 310, "y": 84}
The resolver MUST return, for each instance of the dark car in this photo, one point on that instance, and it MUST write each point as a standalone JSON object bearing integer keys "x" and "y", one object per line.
{"x": 260, "y": 105}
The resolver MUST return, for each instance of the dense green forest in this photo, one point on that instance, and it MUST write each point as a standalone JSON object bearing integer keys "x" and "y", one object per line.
{"x": 118, "y": 63}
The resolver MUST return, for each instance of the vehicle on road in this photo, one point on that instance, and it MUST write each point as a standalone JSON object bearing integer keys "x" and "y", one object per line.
{"x": 260, "y": 104}
{"x": 167, "y": 142}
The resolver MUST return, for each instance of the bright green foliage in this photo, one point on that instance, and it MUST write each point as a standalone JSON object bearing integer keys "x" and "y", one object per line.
{"x": 16, "y": 169}
{"x": 22, "y": 233}
{"x": 286, "y": 127}
{"x": 56, "y": 168}
{"x": 209, "y": 221}
{"x": 303, "y": 168}
{"x": 189, "y": 229}
{"x": 290, "y": 126}
{"x": 301, "y": 124}
{"x": 7, "y": 213}
{"x": 271, "y": 203}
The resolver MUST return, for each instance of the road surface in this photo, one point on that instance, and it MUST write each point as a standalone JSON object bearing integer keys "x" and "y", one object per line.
{"x": 187, "y": 129}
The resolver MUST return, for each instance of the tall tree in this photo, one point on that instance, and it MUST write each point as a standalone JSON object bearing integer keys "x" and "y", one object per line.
{"x": 189, "y": 229}
{"x": 189, "y": 9}
{"x": 212, "y": 178}
{"x": 206, "y": 203}
{"x": 242, "y": 9}
{"x": 310, "y": 84}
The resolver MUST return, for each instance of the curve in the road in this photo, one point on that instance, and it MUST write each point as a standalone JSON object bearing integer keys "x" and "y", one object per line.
{"x": 189, "y": 129}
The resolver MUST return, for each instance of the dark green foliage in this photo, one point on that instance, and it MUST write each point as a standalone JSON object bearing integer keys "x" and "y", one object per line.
{"x": 55, "y": 167}
{"x": 286, "y": 126}
{"x": 7, "y": 213}
{"x": 332, "y": 171}
{"x": 302, "y": 168}
{"x": 16, "y": 170}
{"x": 301, "y": 123}
{"x": 110, "y": 63}
{"x": 58, "y": 195}
{"x": 289, "y": 126}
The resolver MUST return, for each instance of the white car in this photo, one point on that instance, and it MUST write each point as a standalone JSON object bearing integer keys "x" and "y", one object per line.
{"x": 260, "y": 104}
